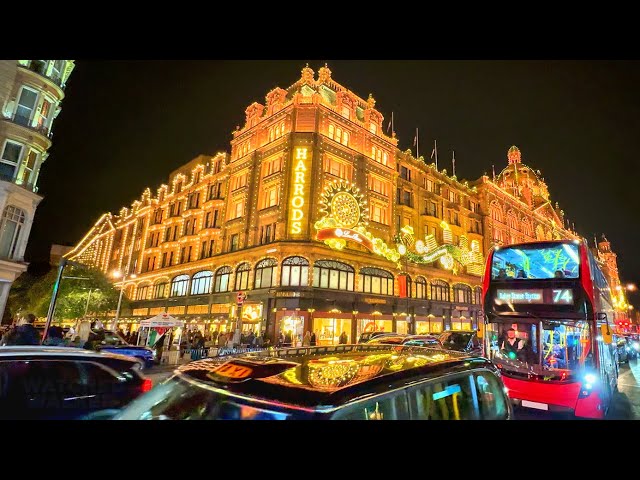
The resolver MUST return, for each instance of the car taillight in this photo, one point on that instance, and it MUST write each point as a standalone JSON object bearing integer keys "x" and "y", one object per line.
{"x": 147, "y": 384}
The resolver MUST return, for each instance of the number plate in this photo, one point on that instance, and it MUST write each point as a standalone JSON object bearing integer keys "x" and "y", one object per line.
{"x": 539, "y": 406}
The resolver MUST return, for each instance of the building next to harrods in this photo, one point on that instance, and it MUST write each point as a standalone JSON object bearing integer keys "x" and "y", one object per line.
{"x": 315, "y": 215}
{"x": 323, "y": 222}
{"x": 31, "y": 93}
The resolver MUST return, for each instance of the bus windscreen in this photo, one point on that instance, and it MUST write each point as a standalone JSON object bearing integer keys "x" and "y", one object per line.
{"x": 536, "y": 262}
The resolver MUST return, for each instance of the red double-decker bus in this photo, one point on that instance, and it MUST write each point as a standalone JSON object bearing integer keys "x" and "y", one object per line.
{"x": 555, "y": 298}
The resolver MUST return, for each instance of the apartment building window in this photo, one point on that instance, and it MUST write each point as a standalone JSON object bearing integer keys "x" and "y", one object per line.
{"x": 170, "y": 259}
{"x": 379, "y": 213}
{"x": 217, "y": 165}
{"x": 265, "y": 273}
{"x": 462, "y": 293}
{"x": 272, "y": 166}
{"x": 207, "y": 249}
{"x": 44, "y": 113}
{"x": 455, "y": 219}
{"x": 440, "y": 290}
{"x": 216, "y": 213}
{"x": 207, "y": 220}
{"x": 194, "y": 199}
{"x": 221, "y": 282}
{"x": 276, "y": 131}
{"x": 178, "y": 188}
{"x": 10, "y": 228}
{"x": 269, "y": 197}
{"x": 201, "y": 283}
{"x": 234, "y": 242}
{"x": 295, "y": 272}
{"x": 379, "y": 155}
{"x": 378, "y": 185}
{"x": 267, "y": 233}
{"x": 160, "y": 290}
{"x": 26, "y": 173}
{"x": 164, "y": 260}
{"x": 346, "y": 112}
{"x": 473, "y": 206}
{"x": 167, "y": 234}
{"x": 421, "y": 288}
{"x": 453, "y": 196}
{"x": 214, "y": 191}
{"x": 333, "y": 275}
{"x": 339, "y": 135}
{"x": 431, "y": 208}
{"x": 157, "y": 216}
{"x": 179, "y": 286}
{"x": 375, "y": 280}
{"x": 405, "y": 197}
{"x": 405, "y": 173}
{"x": 26, "y": 105}
{"x": 10, "y": 158}
{"x": 187, "y": 227}
{"x": 237, "y": 209}
{"x": 373, "y": 128}
{"x": 174, "y": 236}
{"x": 239, "y": 181}
{"x": 337, "y": 168}
{"x": 428, "y": 184}
{"x": 142, "y": 292}
{"x": 242, "y": 277}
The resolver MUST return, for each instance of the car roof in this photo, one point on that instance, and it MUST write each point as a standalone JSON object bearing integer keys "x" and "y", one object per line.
{"x": 322, "y": 377}
{"x": 57, "y": 352}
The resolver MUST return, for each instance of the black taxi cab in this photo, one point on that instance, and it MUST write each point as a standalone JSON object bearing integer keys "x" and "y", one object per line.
{"x": 340, "y": 382}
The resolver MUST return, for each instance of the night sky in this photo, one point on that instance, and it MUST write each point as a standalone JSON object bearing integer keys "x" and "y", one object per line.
{"x": 125, "y": 125}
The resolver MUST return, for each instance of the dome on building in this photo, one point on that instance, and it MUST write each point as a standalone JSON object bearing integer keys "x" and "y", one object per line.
{"x": 521, "y": 180}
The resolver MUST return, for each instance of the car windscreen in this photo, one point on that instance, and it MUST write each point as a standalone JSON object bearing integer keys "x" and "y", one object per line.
{"x": 455, "y": 340}
{"x": 177, "y": 399}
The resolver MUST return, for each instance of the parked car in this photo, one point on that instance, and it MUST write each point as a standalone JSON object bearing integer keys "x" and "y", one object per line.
{"x": 461, "y": 340}
{"x": 422, "y": 341}
{"x": 633, "y": 345}
{"x": 391, "y": 339}
{"x": 366, "y": 336}
{"x": 622, "y": 348}
{"x": 114, "y": 343}
{"x": 338, "y": 382}
{"x": 62, "y": 383}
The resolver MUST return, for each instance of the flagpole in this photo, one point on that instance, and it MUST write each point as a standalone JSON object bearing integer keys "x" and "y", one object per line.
{"x": 392, "y": 128}
{"x": 493, "y": 169}
{"x": 417, "y": 144}
{"x": 435, "y": 146}
{"x": 453, "y": 163}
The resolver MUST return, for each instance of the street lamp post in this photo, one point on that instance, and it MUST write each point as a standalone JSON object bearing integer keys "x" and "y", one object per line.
{"x": 118, "y": 274}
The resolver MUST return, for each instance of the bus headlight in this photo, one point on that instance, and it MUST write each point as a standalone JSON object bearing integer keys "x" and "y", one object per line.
{"x": 636, "y": 345}
{"x": 590, "y": 379}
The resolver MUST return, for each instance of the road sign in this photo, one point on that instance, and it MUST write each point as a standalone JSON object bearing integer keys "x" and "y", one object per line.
{"x": 240, "y": 298}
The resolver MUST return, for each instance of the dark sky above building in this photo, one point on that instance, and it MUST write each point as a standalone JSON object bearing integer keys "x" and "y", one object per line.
{"x": 125, "y": 125}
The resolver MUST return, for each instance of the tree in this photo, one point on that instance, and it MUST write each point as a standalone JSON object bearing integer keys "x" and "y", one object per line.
{"x": 29, "y": 294}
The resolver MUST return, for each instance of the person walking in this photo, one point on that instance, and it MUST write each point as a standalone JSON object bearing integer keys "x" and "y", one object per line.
{"x": 312, "y": 339}
{"x": 343, "y": 338}
{"x": 306, "y": 341}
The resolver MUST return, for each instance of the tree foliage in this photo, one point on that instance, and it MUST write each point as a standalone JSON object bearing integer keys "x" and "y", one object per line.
{"x": 33, "y": 294}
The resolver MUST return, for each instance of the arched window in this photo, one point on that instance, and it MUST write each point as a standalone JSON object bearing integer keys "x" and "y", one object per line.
{"x": 332, "y": 131}
{"x": 271, "y": 134}
{"x": 334, "y": 275}
{"x": 462, "y": 293}
{"x": 496, "y": 213}
{"x": 201, "y": 283}
{"x": 439, "y": 290}
{"x": 10, "y": 228}
{"x": 421, "y": 288}
{"x": 345, "y": 138}
{"x": 526, "y": 228}
{"x": 409, "y": 289}
{"x": 539, "y": 233}
{"x": 265, "y": 273}
{"x": 142, "y": 293}
{"x": 295, "y": 272}
{"x": 179, "y": 286}
{"x": 477, "y": 295}
{"x": 221, "y": 280}
{"x": 512, "y": 221}
{"x": 375, "y": 280}
{"x": 242, "y": 277}
{"x": 160, "y": 290}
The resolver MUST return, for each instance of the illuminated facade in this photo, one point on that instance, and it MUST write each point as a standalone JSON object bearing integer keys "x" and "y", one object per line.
{"x": 517, "y": 207}
{"x": 607, "y": 259}
{"x": 31, "y": 92}
{"x": 322, "y": 221}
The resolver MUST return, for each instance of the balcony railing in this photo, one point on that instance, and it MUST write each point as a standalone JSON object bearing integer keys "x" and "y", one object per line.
{"x": 27, "y": 186}
{"x": 26, "y": 122}
{"x": 41, "y": 69}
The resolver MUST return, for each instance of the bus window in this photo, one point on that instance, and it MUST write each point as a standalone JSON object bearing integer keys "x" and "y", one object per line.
{"x": 387, "y": 407}
{"x": 453, "y": 398}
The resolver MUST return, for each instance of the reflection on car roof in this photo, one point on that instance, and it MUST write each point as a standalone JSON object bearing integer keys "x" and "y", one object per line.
{"x": 328, "y": 375}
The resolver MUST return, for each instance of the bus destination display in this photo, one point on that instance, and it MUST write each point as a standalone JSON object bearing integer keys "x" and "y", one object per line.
{"x": 556, "y": 296}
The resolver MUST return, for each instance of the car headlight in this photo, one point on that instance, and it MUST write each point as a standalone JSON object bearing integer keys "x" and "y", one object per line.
{"x": 154, "y": 354}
